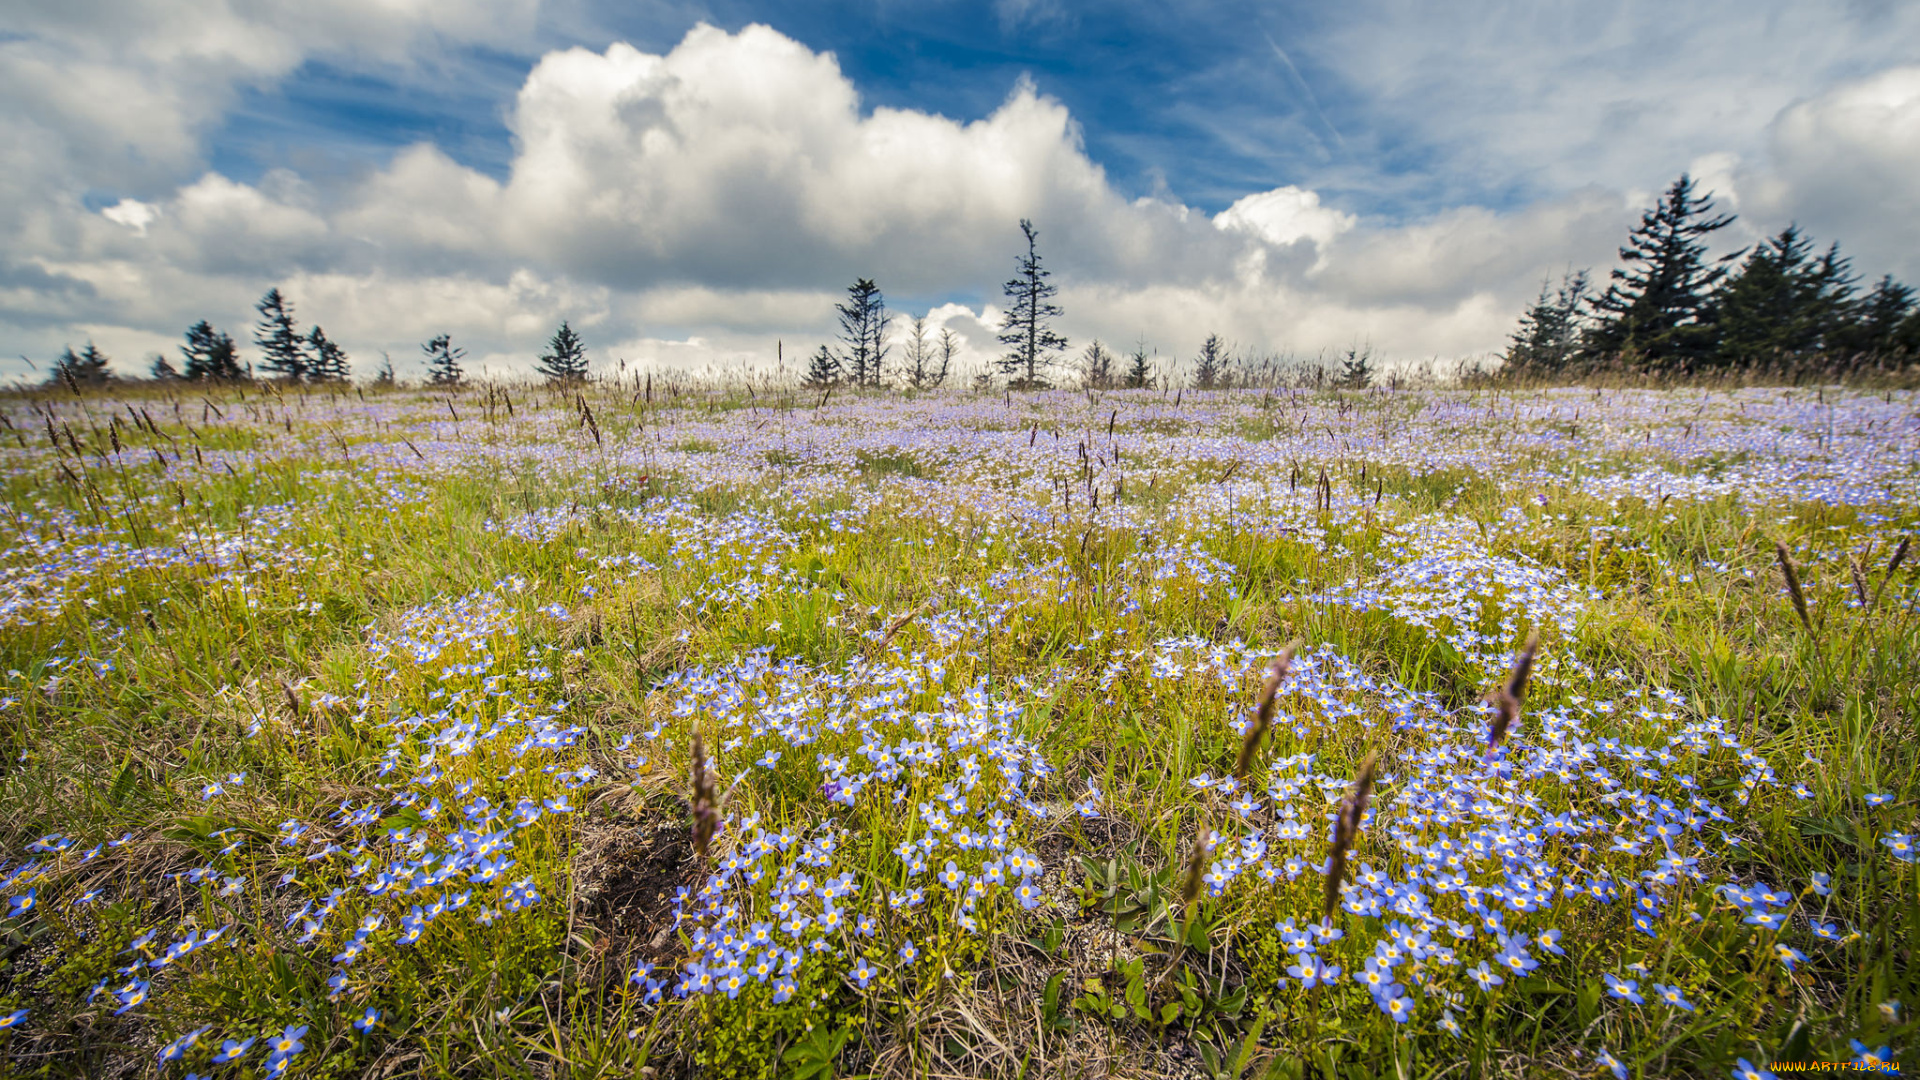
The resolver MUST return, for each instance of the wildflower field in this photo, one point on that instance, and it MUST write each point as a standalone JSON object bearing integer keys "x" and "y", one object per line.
{"x": 726, "y": 731}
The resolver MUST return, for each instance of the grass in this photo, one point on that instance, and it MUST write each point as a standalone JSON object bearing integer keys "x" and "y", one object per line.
{"x": 365, "y": 722}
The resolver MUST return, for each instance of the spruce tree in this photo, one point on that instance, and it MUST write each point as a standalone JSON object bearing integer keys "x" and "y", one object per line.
{"x": 1549, "y": 333}
{"x": 918, "y": 358}
{"x": 1027, "y": 330}
{"x": 823, "y": 369}
{"x": 286, "y": 353}
{"x": 1784, "y": 305}
{"x": 1356, "y": 368}
{"x": 1096, "y": 365}
{"x": 1210, "y": 367}
{"x": 1873, "y": 330}
{"x": 443, "y": 361}
{"x": 210, "y": 354}
{"x": 565, "y": 360}
{"x": 1140, "y": 371}
{"x": 162, "y": 370}
{"x": 863, "y": 332}
{"x": 1657, "y": 312}
{"x": 329, "y": 359}
{"x": 86, "y": 368}
{"x": 946, "y": 349}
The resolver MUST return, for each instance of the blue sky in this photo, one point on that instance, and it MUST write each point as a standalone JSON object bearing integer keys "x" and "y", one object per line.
{"x": 1206, "y": 103}
{"x": 692, "y": 183}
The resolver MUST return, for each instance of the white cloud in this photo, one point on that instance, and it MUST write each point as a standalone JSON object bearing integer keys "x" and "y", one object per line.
{"x": 1285, "y": 215}
{"x": 132, "y": 213}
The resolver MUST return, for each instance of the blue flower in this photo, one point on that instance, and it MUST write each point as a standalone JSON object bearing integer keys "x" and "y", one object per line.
{"x": 1872, "y": 1058}
{"x": 1605, "y": 1057}
{"x": 13, "y": 1019}
{"x": 368, "y": 1020}
{"x": 286, "y": 1044}
{"x": 1672, "y": 996}
{"x": 1624, "y": 989}
{"x": 1746, "y": 1070}
{"x": 1484, "y": 977}
{"x": 232, "y": 1050}
{"x": 178, "y": 1048}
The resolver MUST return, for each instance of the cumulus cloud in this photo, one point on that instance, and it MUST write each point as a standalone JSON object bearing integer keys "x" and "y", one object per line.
{"x": 707, "y": 204}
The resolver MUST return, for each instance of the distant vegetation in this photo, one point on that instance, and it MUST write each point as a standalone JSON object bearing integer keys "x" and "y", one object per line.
{"x": 1670, "y": 312}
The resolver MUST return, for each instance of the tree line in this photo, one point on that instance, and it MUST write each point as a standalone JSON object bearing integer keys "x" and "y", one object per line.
{"x": 1036, "y": 353}
{"x": 1671, "y": 309}
{"x": 287, "y": 354}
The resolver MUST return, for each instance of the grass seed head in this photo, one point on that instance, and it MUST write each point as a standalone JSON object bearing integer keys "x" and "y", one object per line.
{"x": 706, "y": 807}
{"x": 1263, "y": 712}
{"x": 1507, "y": 700}
{"x": 1346, "y": 827}
{"x": 1793, "y": 585}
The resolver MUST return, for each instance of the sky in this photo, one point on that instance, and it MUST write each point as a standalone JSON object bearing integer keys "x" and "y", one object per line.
{"x": 694, "y": 185}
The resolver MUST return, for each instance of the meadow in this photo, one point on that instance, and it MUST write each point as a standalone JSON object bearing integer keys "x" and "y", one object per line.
{"x": 682, "y": 730}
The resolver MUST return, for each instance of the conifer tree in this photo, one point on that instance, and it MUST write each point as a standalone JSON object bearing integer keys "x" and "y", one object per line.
{"x": 329, "y": 360}
{"x": 1140, "y": 371}
{"x": 823, "y": 369}
{"x": 286, "y": 353}
{"x": 1210, "y": 367}
{"x": 1657, "y": 312}
{"x": 1783, "y": 304}
{"x": 86, "y": 368}
{"x": 947, "y": 348}
{"x": 1097, "y": 366}
{"x": 565, "y": 360}
{"x": 443, "y": 361}
{"x": 1356, "y": 368}
{"x": 210, "y": 354}
{"x": 863, "y": 331}
{"x": 1549, "y": 335}
{"x": 1027, "y": 330}
{"x": 1874, "y": 330}
{"x": 162, "y": 370}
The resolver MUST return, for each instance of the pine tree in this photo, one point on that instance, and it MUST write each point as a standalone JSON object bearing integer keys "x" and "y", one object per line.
{"x": 329, "y": 359}
{"x": 1096, "y": 366}
{"x": 160, "y": 369}
{"x": 87, "y": 368}
{"x": 286, "y": 353}
{"x": 443, "y": 361}
{"x": 1549, "y": 335}
{"x": 824, "y": 369}
{"x": 863, "y": 331}
{"x": 565, "y": 360}
{"x": 1210, "y": 367}
{"x": 1140, "y": 372}
{"x": 1657, "y": 312}
{"x": 383, "y": 377}
{"x": 210, "y": 354}
{"x": 1027, "y": 329}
